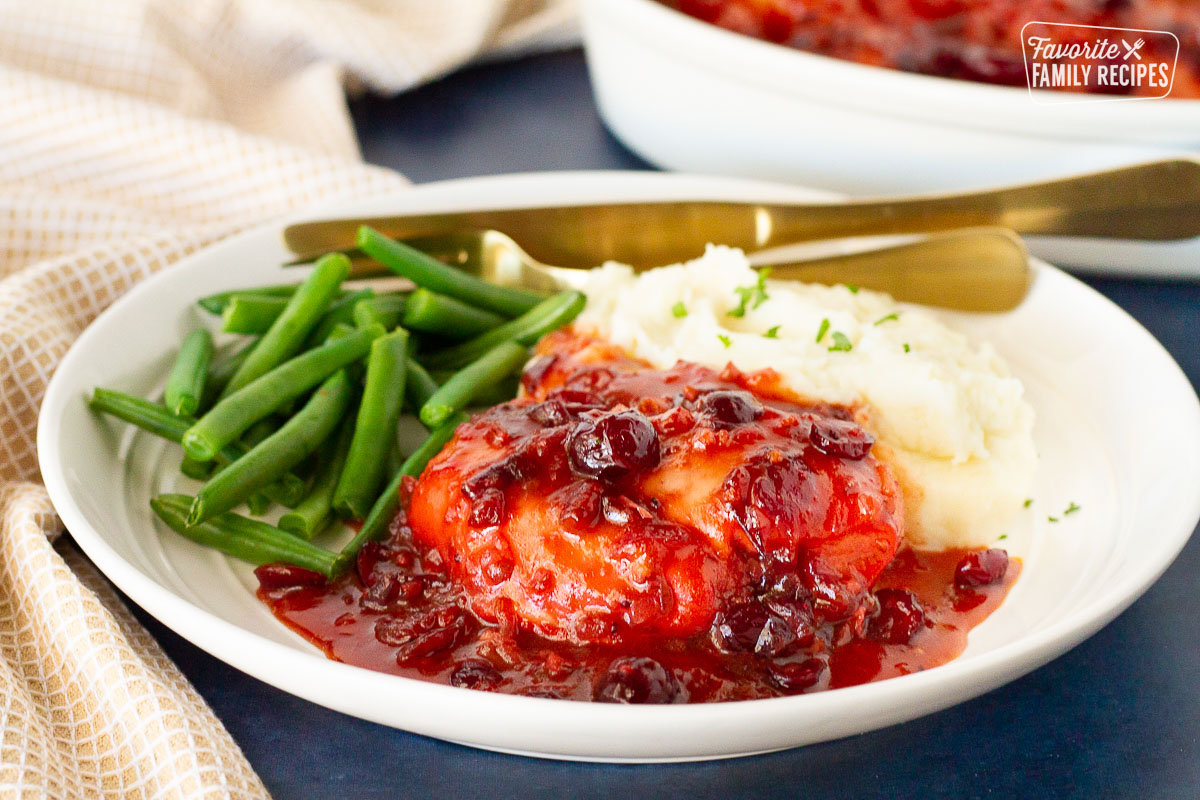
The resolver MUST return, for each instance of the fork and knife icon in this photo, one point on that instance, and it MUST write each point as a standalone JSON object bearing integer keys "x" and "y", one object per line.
{"x": 1132, "y": 49}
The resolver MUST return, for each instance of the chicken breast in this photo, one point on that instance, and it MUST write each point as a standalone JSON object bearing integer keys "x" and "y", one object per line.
{"x": 613, "y": 501}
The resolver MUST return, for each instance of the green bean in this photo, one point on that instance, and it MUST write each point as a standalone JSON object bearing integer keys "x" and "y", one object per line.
{"x": 185, "y": 384}
{"x": 375, "y": 428}
{"x": 236, "y": 412}
{"x": 288, "y": 491}
{"x": 381, "y": 513}
{"x": 458, "y": 392}
{"x": 276, "y": 454}
{"x": 429, "y": 273}
{"x": 418, "y": 387}
{"x": 493, "y": 395}
{"x": 197, "y": 470}
{"x": 221, "y": 370}
{"x": 215, "y": 303}
{"x": 445, "y": 316}
{"x": 156, "y": 419}
{"x": 241, "y": 538}
{"x": 551, "y": 314}
{"x": 386, "y": 309}
{"x": 339, "y": 313}
{"x": 252, "y": 313}
{"x": 259, "y": 503}
{"x": 287, "y": 333}
{"x": 499, "y": 392}
{"x": 314, "y": 513}
{"x": 395, "y": 460}
{"x": 152, "y": 418}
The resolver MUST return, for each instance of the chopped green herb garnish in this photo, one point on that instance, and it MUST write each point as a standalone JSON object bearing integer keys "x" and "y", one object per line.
{"x": 853, "y": 289}
{"x": 1052, "y": 519}
{"x": 679, "y": 310}
{"x": 888, "y": 318}
{"x": 907, "y": 349}
{"x": 822, "y": 330}
{"x": 841, "y": 343}
{"x": 1071, "y": 509}
{"x": 751, "y": 295}
{"x": 773, "y": 332}
{"x": 1003, "y": 536}
{"x": 1028, "y": 502}
{"x": 725, "y": 340}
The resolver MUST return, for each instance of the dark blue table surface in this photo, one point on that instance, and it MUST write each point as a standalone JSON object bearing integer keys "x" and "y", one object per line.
{"x": 1119, "y": 716}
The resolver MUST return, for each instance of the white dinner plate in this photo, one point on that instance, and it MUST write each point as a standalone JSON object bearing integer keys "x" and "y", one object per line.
{"x": 1117, "y": 431}
{"x": 691, "y": 96}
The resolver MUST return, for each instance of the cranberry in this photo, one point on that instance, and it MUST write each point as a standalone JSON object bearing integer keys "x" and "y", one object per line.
{"x": 771, "y": 496}
{"x": 833, "y": 598}
{"x": 590, "y": 380}
{"x": 575, "y": 398}
{"x": 797, "y": 618}
{"x": 899, "y": 619}
{"x": 535, "y": 372}
{"x": 776, "y": 637}
{"x": 476, "y": 673}
{"x": 796, "y": 676}
{"x": 425, "y": 635}
{"x": 840, "y": 439}
{"x": 581, "y": 504}
{"x": 368, "y": 558}
{"x": 283, "y": 576}
{"x": 613, "y": 446}
{"x": 632, "y": 680}
{"x": 488, "y": 509}
{"x": 737, "y": 629}
{"x": 494, "y": 476}
{"x": 550, "y": 413}
{"x": 730, "y": 407}
{"x": 381, "y": 593}
{"x": 751, "y": 627}
{"x": 982, "y": 568}
{"x": 542, "y": 455}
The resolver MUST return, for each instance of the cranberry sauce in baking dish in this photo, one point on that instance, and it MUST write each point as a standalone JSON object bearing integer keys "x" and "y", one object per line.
{"x": 626, "y": 534}
{"x": 977, "y": 40}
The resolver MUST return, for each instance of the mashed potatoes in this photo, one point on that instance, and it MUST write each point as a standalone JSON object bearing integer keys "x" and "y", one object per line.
{"x": 950, "y": 420}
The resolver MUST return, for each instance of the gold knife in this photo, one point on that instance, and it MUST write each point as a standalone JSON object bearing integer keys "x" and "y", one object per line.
{"x": 1154, "y": 201}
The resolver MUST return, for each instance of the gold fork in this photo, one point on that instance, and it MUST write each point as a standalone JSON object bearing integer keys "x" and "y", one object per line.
{"x": 979, "y": 269}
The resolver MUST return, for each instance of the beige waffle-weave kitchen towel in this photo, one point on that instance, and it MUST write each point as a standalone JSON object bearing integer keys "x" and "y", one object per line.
{"x": 133, "y": 132}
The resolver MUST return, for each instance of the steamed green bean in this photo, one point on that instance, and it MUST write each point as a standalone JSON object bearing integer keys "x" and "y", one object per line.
{"x": 287, "y": 333}
{"x": 278, "y": 453}
{"x": 429, "y": 273}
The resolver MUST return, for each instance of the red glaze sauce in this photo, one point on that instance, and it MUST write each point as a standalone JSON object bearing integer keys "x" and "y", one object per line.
{"x": 977, "y": 40}
{"x": 627, "y": 534}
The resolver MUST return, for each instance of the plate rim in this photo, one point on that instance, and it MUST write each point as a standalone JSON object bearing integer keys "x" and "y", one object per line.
{"x": 938, "y": 688}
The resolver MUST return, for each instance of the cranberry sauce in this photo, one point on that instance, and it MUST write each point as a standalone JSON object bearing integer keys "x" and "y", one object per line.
{"x": 404, "y": 616}
{"x": 630, "y": 535}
